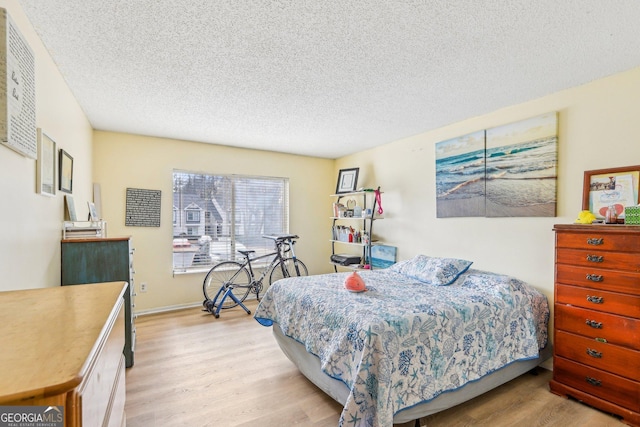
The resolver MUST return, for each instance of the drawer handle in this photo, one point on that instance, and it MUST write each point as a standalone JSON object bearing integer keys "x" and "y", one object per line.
{"x": 595, "y": 277}
{"x": 593, "y": 353}
{"x": 595, "y": 241}
{"x": 594, "y": 299}
{"x": 593, "y": 381}
{"x": 594, "y": 324}
{"x": 595, "y": 258}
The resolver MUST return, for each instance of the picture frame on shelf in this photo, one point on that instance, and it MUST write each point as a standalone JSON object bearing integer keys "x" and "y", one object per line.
{"x": 70, "y": 208}
{"x": 383, "y": 256}
{"x": 347, "y": 180}
{"x": 46, "y": 165}
{"x": 93, "y": 215}
{"x": 65, "y": 172}
{"x": 613, "y": 186}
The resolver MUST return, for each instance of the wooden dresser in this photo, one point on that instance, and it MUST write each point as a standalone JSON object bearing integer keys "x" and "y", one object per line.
{"x": 597, "y": 317}
{"x": 63, "y": 346}
{"x": 98, "y": 260}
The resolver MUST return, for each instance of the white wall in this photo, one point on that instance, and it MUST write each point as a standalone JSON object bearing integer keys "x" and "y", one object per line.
{"x": 31, "y": 224}
{"x": 123, "y": 161}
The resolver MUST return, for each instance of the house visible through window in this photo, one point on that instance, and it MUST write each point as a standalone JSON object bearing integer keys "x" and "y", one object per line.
{"x": 193, "y": 215}
{"x": 214, "y": 216}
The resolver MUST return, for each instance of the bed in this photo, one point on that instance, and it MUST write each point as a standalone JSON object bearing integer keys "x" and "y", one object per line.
{"x": 427, "y": 334}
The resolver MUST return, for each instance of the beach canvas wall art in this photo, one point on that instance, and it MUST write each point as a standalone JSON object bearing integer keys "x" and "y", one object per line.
{"x": 521, "y": 168}
{"x": 506, "y": 171}
{"x": 460, "y": 176}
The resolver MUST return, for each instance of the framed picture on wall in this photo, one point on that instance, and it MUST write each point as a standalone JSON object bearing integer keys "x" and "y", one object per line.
{"x": 616, "y": 187}
{"x": 46, "y": 165}
{"x": 65, "y": 172}
{"x": 347, "y": 180}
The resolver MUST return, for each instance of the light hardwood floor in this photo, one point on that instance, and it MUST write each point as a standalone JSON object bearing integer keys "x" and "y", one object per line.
{"x": 192, "y": 369}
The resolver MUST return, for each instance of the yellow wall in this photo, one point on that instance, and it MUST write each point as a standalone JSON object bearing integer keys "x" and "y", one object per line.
{"x": 31, "y": 224}
{"x": 128, "y": 161}
{"x": 599, "y": 127}
{"x": 596, "y": 130}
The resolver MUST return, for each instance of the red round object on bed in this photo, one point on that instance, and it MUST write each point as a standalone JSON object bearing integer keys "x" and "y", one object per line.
{"x": 354, "y": 283}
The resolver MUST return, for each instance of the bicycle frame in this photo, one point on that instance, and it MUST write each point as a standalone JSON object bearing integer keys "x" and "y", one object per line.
{"x": 278, "y": 255}
{"x": 293, "y": 257}
{"x": 243, "y": 270}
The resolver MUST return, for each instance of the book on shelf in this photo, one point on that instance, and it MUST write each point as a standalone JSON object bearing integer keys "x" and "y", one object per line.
{"x": 341, "y": 233}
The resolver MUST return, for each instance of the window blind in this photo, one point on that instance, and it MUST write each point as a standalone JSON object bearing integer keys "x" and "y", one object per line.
{"x": 214, "y": 216}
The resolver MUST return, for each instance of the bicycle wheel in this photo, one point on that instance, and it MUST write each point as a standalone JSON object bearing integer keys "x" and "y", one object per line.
{"x": 290, "y": 270}
{"x": 228, "y": 275}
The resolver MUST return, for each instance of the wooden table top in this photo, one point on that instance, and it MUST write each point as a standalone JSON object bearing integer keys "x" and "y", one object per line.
{"x": 48, "y": 335}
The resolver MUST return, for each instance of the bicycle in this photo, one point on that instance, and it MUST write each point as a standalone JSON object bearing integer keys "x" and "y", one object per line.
{"x": 232, "y": 281}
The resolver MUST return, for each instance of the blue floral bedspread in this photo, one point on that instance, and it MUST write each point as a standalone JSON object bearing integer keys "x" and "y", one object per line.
{"x": 403, "y": 341}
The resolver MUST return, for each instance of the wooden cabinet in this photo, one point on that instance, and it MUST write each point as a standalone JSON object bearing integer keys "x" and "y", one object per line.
{"x": 63, "y": 347}
{"x": 103, "y": 260}
{"x": 597, "y": 317}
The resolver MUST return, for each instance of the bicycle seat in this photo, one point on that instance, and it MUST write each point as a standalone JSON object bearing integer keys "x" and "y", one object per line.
{"x": 281, "y": 238}
{"x": 246, "y": 253}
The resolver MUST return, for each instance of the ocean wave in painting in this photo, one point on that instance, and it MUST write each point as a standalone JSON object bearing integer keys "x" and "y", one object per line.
{"x": 512, "y": 176}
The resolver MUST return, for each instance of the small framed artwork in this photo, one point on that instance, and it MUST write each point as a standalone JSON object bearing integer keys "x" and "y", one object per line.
{"x": 46, "y": 165}
{"x": 70, "y": 208}
{"x": 617, "y": 187}
{"x": 383, "y": 256}
{"x": 347, "y": 180}
{"x": 93, "y": 214}
{"x": 65, "y": 172}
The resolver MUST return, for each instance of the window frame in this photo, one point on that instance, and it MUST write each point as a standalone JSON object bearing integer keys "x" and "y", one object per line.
{"x": 192, "y": 216}
{"x": 246, "y": 190}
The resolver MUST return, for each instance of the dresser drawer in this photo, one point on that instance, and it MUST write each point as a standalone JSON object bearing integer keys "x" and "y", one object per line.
{"x": 96, "y": 392}
{"x": 613, "y": 388}
{"x": 596, "y": 299}
{"x": 608, "y": 280}
{"x": 596, "y": 239}
{"x": 116, "y": 415}
{"x": 604, "y": 356}
{"x": 595, "y": 258}
{"x": 618, "y": 330}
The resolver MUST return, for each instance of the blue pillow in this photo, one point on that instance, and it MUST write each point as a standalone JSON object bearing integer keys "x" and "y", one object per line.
{"x": 432, "y": 270}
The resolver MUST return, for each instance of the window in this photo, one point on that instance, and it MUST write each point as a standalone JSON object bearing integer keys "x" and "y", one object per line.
{"x": 216, "y": 215}
{"x": 193, "y": 215}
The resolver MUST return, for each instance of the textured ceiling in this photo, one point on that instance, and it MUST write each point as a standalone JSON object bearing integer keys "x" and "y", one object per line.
{"x": 323, "y": 78}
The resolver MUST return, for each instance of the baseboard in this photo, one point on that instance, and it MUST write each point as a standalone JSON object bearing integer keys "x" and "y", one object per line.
{"x": 158, "y": 310}
{"x": 177, "y": 307}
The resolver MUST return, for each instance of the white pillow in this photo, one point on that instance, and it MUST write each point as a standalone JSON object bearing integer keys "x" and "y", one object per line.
{"x": 432, "y": 270}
